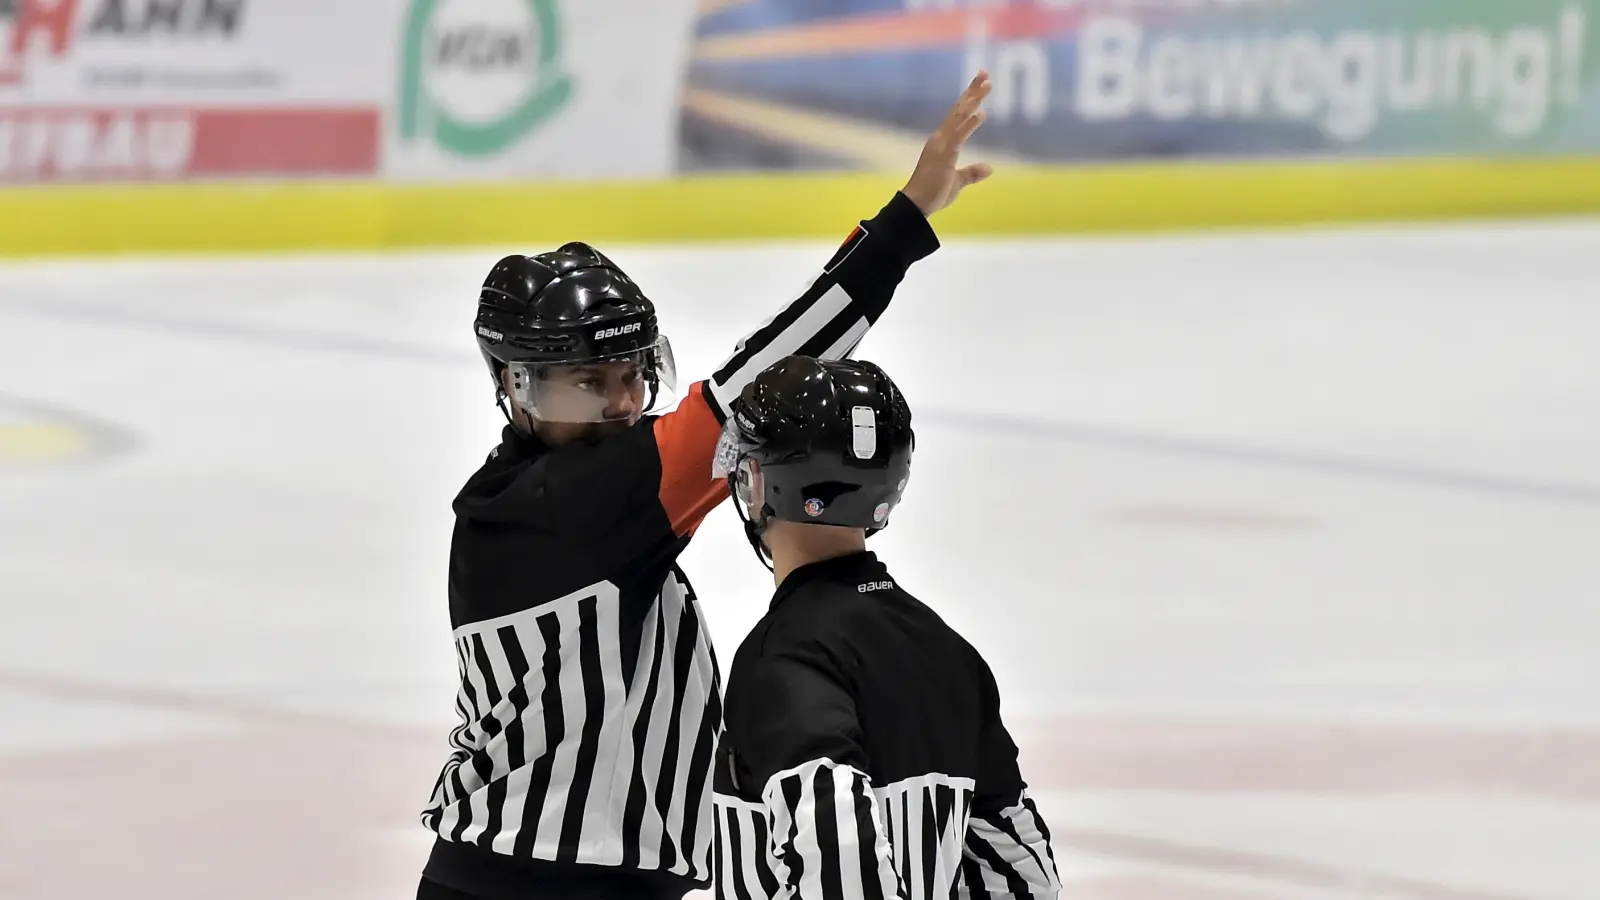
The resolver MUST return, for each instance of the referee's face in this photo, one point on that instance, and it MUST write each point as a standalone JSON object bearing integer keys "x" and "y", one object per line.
{"x": 591, "y": 401}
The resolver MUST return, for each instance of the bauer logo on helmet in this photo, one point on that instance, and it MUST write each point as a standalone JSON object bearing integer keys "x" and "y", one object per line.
{"x": 618, "y": 331}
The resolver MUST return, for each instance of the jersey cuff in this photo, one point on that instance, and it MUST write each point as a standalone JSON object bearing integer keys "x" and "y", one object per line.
{"x": 710, "y": 397}
{"x": 905, "y": 225}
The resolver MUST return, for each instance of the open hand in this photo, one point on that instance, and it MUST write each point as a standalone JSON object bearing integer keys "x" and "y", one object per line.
{"x": 937, "y": 181}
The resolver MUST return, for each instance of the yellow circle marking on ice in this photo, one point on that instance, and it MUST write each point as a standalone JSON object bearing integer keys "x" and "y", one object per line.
{"x": 40, "y": 442}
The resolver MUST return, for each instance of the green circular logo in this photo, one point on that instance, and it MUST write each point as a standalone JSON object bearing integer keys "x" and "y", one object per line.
{"x": 479, "y": 75}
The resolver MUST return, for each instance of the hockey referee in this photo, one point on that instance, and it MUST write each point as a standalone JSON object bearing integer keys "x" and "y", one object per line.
{"x": 864, "y": 756}
{"x": 589, "y": 696}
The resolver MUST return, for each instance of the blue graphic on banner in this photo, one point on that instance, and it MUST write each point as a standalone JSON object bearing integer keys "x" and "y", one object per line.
{"x": 859, "y": 83}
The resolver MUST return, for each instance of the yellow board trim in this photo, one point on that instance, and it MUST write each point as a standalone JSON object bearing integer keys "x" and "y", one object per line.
{"x": 298, "y": 216}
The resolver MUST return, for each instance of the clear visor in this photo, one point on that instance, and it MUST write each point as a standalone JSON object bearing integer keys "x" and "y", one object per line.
{"x": 732, "y": 457}
{"x": 607, "y": 389}
{"x": 730, "y": 447}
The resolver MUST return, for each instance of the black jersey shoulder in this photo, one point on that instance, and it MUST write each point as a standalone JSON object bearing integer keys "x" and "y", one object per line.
{"x": 854, "y": 604}
{"x": 525, "y": 482}
{"x": 534, "y": 524}
{"x": 919, "y": 694}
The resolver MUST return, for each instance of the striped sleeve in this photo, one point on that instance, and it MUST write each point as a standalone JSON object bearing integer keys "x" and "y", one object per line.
{"x": 742, "y": 866}
{"x": 835, "y": 311}
{"x": 1007, "y": 854}
{"x": 826, "y": 839}
{"x": 1007, "y": 849}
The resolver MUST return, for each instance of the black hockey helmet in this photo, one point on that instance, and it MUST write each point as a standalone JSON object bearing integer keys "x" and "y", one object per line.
{"x": 820, "y": 442}
{"x": 569, "y": 307}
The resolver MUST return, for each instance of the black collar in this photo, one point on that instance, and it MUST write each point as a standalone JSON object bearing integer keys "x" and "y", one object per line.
{"x": 852, "y": 568}
{"x": 516, "y": 445}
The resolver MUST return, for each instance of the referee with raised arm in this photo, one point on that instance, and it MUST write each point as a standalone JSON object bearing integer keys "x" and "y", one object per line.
{"x": 589, "y": 694}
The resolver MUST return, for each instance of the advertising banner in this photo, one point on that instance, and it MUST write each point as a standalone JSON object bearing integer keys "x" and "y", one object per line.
{"x": 858, "y": 83}
{"x": 132, "y": 90}
{"x": 537, "y": 88}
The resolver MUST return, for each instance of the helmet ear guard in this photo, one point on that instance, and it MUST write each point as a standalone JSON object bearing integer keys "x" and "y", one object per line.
{"x": 762, "y": 494}
{"x": 747, "y": 485}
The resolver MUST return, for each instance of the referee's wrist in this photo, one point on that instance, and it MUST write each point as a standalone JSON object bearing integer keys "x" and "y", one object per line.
{"x": 910, "y": 227}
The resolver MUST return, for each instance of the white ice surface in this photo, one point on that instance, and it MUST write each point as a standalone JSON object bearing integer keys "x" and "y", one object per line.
{"x": 1328, "y": 477}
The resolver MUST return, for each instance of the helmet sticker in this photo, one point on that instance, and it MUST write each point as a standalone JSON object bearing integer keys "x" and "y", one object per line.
{"x": 880, "y": 513}
{"x": 814, "y": 507}
{"x": 864, "y": 432}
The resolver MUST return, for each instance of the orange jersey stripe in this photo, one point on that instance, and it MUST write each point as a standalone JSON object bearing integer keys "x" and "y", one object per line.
{"x": 888, "y": 31}
{"x": 686, "y": 439}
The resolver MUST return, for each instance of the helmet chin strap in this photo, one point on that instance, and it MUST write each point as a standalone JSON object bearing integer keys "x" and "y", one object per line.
{"x": 753, "y": 534}
{"x": 525, "y": 427}
{"x": 752, "y": 531}
{"x": 503, "y": 403}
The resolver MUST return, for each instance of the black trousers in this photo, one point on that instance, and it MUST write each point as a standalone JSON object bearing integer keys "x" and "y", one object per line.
{"x": 433, "y": 890}
{"x": 466, "y": 872}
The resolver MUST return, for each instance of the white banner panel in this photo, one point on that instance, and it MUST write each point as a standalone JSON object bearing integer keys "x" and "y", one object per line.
{"x": 539, "y": 88}
{"x": 436, "y": 90}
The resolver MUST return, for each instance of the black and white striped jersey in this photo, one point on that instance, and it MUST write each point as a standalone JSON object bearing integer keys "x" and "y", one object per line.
{"x": 864, "y": 755}
{"x": 589, "y": 697}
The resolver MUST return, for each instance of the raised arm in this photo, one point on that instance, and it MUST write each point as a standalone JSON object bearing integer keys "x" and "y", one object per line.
{"x": 829, "y": 318}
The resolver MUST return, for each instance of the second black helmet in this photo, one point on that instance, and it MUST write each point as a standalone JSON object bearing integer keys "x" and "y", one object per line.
{"x": 818, "y": 441}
